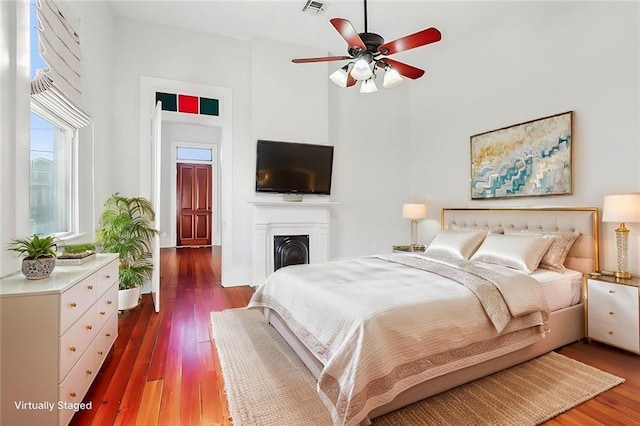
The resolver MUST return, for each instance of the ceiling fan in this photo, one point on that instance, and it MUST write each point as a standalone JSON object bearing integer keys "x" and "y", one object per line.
{"x": 367, "y": 51}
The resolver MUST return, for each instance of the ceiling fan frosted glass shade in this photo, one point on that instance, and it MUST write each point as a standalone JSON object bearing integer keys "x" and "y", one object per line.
{"x": 361, "y": 70}
{"x": 391, "y": 78}
{"x": 339, "y": 77}
{"x": 368, "y": 86}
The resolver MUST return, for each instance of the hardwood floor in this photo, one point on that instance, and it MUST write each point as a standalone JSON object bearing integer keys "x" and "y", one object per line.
{"x": 164, "y": 369}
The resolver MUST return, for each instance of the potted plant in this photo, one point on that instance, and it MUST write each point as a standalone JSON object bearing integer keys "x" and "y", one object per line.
{"x": 40, "y": 255}
{"x": 126, "y": 228}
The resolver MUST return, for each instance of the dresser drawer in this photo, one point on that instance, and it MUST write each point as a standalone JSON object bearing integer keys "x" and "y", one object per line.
{"x": 75, "y": 341}
{"x": 106, "y": 305}
{"x": 106, "y": 338}
{"x": 75, "y": 302}
{"x": 106, "y": 276}
{"x": 77, "y": 382}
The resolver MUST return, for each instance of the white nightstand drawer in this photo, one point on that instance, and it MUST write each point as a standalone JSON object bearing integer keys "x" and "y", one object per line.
{"x": 602, "y": 293}
{"x": 615, "y": 334}
{"x": 106, "y": 276}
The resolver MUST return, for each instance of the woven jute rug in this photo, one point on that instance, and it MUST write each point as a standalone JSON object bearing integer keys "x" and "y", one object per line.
{"x": 267, "y": 384}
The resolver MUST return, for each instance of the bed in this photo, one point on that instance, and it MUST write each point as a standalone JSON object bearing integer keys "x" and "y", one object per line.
{"x": 381, "y": 332}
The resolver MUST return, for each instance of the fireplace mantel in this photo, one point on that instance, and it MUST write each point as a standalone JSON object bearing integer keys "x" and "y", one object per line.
{"x": 277, "y": 217}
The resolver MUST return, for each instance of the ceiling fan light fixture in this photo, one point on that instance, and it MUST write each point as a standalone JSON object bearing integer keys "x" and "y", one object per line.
{"x": 392, "y": 78}
{"x": 361, "y": 70}
{"x": 339, "y": 77}
{"x": 368, "y": 86}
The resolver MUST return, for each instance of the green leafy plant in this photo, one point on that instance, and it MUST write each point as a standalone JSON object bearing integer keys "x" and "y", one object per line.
{"x": 34, "y": 247}
{"x": 126, "y": 228}
{"x": 78, "y": 248}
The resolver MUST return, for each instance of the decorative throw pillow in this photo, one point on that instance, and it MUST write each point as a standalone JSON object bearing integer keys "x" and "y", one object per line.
{"x": 491, "y": 229}
{"x": 458, "y": 244}
{"x": 555, "y": 256}
{"x": 520, "y": 252}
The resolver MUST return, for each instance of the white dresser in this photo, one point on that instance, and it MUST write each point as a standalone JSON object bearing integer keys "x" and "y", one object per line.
{"x": 56, "y": 333}
{"x": 613, "y": 312}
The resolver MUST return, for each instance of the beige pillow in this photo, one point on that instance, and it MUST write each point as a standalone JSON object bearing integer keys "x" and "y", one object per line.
{"x": 555, "y": 256}
{"x": 491, "y": 229}
{"x": 520, "y": 252}
{"x": 458, "y": 244}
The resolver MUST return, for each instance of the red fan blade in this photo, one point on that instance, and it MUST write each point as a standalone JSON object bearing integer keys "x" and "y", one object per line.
{"x": 430, "y": 35}
{"x": 321, "y": 59}
{"x": 402, "y": 68}
{"x": 347, "y": 32}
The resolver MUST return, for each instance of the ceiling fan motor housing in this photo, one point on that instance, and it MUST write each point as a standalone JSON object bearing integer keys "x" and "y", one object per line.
{"x": 371, "y": 40}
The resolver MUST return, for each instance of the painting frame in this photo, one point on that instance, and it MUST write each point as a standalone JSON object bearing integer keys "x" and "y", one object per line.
{"x": 529, "y": 159}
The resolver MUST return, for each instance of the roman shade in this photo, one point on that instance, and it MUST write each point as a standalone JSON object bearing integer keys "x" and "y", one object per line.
{"x": 59, "y": 87}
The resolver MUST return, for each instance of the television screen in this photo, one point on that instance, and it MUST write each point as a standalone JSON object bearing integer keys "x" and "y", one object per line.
{"x": 297, "y": 168}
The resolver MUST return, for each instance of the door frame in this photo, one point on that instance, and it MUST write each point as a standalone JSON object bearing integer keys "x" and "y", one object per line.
{"x": 216, "y": 237}
{"x": 230, "y": 274}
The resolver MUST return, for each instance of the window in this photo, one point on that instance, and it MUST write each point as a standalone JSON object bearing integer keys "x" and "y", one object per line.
{"x": 54, "y": 124}
{"x": 194, "y": 154}
{"x": 51, "y": 189}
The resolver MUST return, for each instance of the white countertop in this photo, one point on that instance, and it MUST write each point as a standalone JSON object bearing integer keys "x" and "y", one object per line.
{"x": 61, "y": 278}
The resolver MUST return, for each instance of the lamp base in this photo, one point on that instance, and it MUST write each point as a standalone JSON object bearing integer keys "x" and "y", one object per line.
{"x": 622, "y": 275}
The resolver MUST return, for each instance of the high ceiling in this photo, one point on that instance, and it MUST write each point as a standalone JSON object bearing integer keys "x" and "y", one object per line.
{"x": 284, "y": 20}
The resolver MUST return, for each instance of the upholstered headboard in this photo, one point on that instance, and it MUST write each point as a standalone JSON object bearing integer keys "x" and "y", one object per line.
{"x": 583, "y": 256}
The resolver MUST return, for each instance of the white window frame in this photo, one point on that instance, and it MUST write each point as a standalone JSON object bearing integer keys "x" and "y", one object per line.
{"x": 72, "y": 171}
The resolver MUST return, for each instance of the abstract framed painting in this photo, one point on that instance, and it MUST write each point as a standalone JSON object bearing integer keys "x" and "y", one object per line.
{"x": 523, "y": 160}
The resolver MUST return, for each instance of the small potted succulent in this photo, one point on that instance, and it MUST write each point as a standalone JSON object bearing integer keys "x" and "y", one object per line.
{"x": 40, "y": 255}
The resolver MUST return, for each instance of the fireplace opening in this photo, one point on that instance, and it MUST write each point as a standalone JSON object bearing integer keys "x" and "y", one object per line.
{"x": 290, "y": 250}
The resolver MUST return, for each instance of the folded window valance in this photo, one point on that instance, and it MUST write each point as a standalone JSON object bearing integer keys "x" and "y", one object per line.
{"x": 59, "y": 86}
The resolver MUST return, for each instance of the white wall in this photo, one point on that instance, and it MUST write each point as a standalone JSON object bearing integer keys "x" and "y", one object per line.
{"x": 522, "y": 61}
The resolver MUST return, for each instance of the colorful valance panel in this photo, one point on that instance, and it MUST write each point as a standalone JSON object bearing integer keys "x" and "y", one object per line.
{"x": 188, "y": 104}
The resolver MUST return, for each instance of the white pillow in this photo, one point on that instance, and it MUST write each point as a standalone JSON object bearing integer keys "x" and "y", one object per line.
{"x": 522, "y": 252}
{"x": 555, "y": 256}
{"x": 458, "y": 244}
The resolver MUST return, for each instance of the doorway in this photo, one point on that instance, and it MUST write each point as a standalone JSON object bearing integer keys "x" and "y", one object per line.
{"x": 194, "y": 205}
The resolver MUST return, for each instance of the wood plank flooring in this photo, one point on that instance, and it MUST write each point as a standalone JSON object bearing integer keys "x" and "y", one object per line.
{"x": 164, "y": 368}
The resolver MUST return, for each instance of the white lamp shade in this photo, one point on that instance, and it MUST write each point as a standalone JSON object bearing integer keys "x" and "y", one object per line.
{"x": 361, "y": 70}
{"x": 368, "y": 86}
{"x": 339, "y": 77}
{"x": 414, "y": 211}
{"x": 621, "y": 208}
{"x": 392, "y": 78}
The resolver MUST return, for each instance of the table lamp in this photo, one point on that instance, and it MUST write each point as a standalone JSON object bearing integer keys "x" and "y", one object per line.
{"x": 414, "y": 212}
{"x": 622, "y": 208}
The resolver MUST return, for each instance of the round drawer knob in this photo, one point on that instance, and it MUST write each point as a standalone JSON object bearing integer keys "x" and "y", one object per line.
{"x": 107, "y": 276}
{"x": 612, "y": 291}
{"x": 90, "y": 287}
{"x": 72, "y": 349}
{"x": 72, "y": 394}
{"x": 73, "y": 304}
{"x": 89, "y": 327}
{"x": 89, "y": 372}
{"x": 611, "y": 313}
{"x": 108, "y": 334}
{"x": 611, "y": 332}
{"x": 109, "y": 302}
{"x": 100, "y": 352}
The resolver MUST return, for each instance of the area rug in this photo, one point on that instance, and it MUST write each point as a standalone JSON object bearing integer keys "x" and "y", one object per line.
{"x": 266, "y": 384}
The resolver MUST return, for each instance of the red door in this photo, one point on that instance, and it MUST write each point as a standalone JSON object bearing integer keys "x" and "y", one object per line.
{"x": 194, "y": 204}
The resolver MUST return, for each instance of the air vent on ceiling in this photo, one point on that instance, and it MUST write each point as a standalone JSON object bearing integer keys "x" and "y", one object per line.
{"x": 313, "y": 7}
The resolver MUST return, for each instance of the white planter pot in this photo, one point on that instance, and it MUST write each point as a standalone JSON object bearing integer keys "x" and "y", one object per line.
{"x": 128, "y": 299}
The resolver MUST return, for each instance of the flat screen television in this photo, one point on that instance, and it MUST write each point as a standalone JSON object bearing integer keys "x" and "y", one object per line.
{"x": 293, "y": 168}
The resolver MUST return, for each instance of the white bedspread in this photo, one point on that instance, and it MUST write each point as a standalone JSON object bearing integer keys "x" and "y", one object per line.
{"x": 380, "y": 326}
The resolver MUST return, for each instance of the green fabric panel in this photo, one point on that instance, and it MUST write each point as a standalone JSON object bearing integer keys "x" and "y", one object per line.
{"x": 208, "y": 106}
{"x": 169, "y": 101}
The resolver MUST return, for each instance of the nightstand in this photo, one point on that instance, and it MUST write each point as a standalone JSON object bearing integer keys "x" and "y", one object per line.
{"x": 408, "y": 248}
{"x": 613, "y": 312}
